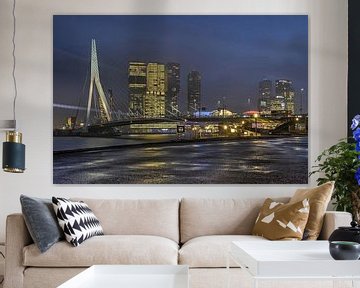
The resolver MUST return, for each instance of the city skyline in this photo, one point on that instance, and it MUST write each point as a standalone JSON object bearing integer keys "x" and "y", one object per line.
{"x": 229, "y": 82}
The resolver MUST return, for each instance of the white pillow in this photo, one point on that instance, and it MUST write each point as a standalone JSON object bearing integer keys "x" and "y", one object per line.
{"x": 76, "y": 220}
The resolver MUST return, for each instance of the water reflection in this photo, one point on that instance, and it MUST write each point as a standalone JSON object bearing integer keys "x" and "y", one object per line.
{"x": 270, "y": 161}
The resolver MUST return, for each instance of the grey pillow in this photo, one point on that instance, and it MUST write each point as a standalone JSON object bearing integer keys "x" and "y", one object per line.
{"x": 41, "y": 221}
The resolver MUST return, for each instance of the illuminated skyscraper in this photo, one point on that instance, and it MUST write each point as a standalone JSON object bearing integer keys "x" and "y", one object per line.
{"x": 156, "y": 88}
{"x": 173, "y": 83}
{"x": 284, "y": 95}
{"x": 194, "y": 92}
{"x": 278, "y": 104}
{"x": 70, "y": 122}
{"x": 265, "y": 94}
{"x": 137, "y": 87}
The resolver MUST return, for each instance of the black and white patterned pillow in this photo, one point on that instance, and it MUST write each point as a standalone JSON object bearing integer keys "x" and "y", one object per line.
{"x": 77, "y": 220}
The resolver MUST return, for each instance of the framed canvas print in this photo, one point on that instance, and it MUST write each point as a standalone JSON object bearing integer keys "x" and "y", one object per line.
{"x": 180, "y": 99}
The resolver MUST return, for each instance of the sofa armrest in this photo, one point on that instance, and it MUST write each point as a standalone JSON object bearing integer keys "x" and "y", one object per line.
{"x": 17, "y": 237}
{"x": 333, "y": 220}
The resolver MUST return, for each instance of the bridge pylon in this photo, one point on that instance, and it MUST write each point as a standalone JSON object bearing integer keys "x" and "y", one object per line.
{"x": 105, "y": 115}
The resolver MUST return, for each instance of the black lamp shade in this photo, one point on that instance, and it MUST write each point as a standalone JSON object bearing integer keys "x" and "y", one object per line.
{"x": 13, "y": 157}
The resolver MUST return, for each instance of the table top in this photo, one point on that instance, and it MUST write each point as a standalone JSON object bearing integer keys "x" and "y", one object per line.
{"x": 291, "y": 259}
{"x": 131, "y": 276}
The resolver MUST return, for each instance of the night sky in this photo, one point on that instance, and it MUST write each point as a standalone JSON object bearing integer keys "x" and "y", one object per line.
{"x": 232, "y": 53}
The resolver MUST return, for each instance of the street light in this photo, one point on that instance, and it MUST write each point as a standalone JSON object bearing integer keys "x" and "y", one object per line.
{"x": 301, "y": 99}
{"x": 256, "y": 116}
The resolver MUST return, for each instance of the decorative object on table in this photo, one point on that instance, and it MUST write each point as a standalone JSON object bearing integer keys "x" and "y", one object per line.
{"x": 351, "y": 233}
{"x": 341, "y": 163}
{"x": 344, "y": 250}
{"x": 13, "y": 149}
{"x": 319, "y": 198}
{"x": 77, "y": 220}
{"x": 279, "y": 221}
{"x": 41, "y": 221}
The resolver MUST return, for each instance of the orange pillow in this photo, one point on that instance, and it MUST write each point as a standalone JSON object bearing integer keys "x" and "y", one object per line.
{"x": 279, "y": 221}
{"x": 319, "y": 198}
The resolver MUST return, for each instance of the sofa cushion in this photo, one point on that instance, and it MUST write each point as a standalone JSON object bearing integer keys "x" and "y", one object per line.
{"x": 158, "y": 217}
{"x": 211, "y": 251}
{"x": 35, "y": 277}
{"x": 41, "y": 221}
{"x": 107, "y": 249}
{"x": 279, "y": 221}
{"x": 77, "y": 220}
{"x": 200, "y": 217}
{"x": 319, "y": 198}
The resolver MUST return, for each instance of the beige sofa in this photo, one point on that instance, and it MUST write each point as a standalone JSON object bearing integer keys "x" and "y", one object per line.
{"x": 194, "y": 232}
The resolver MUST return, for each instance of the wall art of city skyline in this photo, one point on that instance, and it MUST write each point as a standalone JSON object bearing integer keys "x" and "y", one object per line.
{"x": 180, "y": 99}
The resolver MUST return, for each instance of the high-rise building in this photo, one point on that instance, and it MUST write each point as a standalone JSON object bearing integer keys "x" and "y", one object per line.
{"x": 137, "y": 87}
{"x": 277, "y": 104}
{"x": 194, "y": 92}
{"x": 173, "y": 83}
{"x": 70, "y": 122}
{"x": 284, "y": 94}
{"x": 265, "y": 95}
{"x": 156, "y": 88}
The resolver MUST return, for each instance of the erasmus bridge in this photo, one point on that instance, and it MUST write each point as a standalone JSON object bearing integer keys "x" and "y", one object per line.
{"x": 105, "y": 109}
{"x": 104, "y": 116}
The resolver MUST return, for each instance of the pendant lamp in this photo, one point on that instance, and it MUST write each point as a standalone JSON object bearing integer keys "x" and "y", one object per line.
{"x": 13, "y": 160}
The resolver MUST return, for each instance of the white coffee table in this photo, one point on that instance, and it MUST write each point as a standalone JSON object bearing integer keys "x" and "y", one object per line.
{"x": 131, "y": 276}
{"x": 292, "y": 260}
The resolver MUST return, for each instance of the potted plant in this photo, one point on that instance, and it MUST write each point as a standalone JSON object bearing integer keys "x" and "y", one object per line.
{"x": 341, "y": 163}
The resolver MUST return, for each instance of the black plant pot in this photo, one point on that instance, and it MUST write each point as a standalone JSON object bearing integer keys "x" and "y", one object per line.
{"x": 351, "y": 234}
{"x": 343, "y": 250}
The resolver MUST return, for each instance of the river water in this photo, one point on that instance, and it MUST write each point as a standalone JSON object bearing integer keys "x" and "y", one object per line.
{"x": 250, "y": 161}
{"x": 71, "y": 143}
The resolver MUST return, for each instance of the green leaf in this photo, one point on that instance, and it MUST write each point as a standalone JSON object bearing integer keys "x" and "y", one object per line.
{"x": 339, "y": 163}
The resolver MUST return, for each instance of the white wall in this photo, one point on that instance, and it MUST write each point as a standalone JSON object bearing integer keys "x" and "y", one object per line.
{"x": 327, "y": 89}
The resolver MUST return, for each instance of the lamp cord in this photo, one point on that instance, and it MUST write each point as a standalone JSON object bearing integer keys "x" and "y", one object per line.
{"x": 14, "y": 60}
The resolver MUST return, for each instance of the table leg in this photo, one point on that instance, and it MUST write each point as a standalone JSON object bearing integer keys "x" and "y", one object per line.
{"x": 343, "y": 283}
{"x": 255, "y": 283}
{"x": 355, "y": 283}
{"x": 228, "y": 270}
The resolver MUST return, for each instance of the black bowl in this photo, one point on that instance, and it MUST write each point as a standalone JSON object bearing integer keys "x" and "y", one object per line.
{"x": 344, "y": 250}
